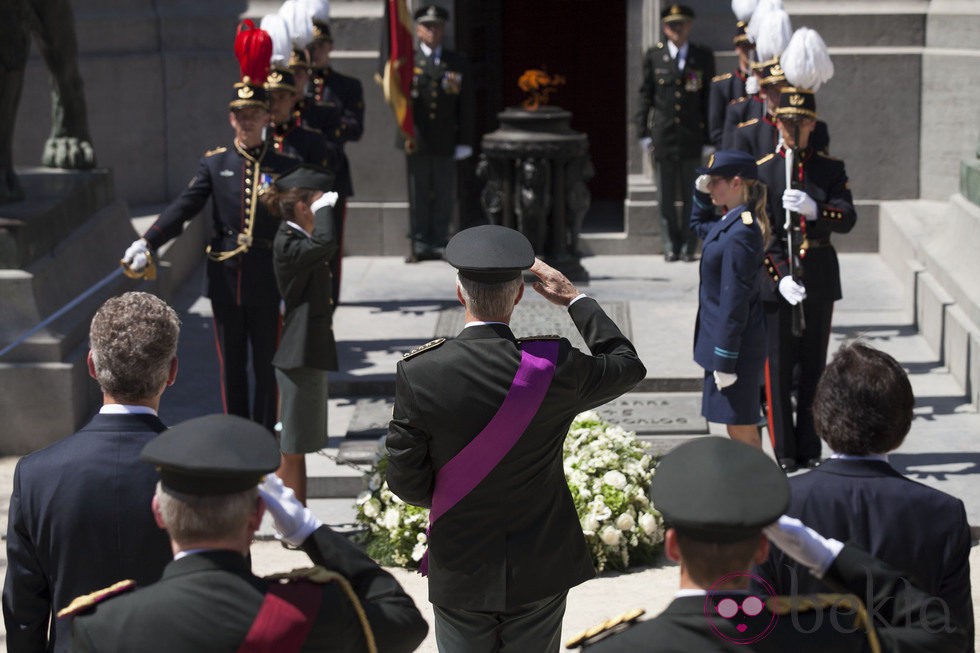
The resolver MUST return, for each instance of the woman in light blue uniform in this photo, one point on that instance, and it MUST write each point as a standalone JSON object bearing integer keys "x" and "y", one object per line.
{"x": 730, "y": 333}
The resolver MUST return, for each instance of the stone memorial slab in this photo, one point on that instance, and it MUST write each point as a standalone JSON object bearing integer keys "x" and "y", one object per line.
{"x": 533, "y": 318}
{"x": 370, "y": 419}
{"x": 656, "y": 413}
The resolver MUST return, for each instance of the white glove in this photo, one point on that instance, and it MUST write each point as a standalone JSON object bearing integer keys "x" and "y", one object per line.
{"x": 294, "y": 522}
{"x": 752, "y": 85}
{"x": 724, "y": 379}
{"x": 462, "y": 152}
{"x": 701, "y": 183}
{"x": 137, "y": 256}
{"x": 646, "y": 143}
{"x": 707, "y": 151}
{"x": 799, "y": 202}
{"x": 791, "y": 291}
{"x": 327, "y": 199}
{"x": 803, "y": 544}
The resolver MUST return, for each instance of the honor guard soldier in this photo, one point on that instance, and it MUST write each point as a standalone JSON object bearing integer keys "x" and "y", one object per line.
{"x": 721, "y": 501}
{"x": 211, "y": 499}
{"x": 335, "y": 108}
{"x": 672, "y": 123}
{"x": 484, "y": 450}
{"x": 289, "y": 135}
{"x": 241, "y": 282}
{"x": 727, "y": 87}
{"x": 819, "y": 203}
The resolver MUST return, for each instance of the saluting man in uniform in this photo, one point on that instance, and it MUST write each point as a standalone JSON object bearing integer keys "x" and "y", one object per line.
{"x": 477, "y": 433}
{"x": 442, "y": 111}
{"x": 672, "y": 123}
{"x": 214, "y": 488}
{"x": 821, "y": 201}
{"x": 241, "y": 282}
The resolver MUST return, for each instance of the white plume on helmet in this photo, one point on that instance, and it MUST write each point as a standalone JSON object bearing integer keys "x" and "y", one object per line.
{"x": 805, "y": 61}
{"x": 276, "y": 27}
{"x": 775, "y": 31}
{"x": 743, "y": 9}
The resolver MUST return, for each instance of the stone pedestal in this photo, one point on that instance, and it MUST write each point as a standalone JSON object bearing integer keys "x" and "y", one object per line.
{"x": 534, "y": 169}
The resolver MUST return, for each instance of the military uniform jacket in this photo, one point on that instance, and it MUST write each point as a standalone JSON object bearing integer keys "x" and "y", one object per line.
{"x": 304, "y": 279}
{"x": 673, "y": 103}
{"x": 759, "y": 137}
{"x": 516, "y": 537}
{"x": 302, "y": 143}
{"x": 871, "y": 505}
{"x": 738, "y": 111}
{"x": 442, "y": 103}
{"x": 336, "y": 110}
{"x": 907, "y": 620}
{"x": 825, "y": 180}
{"x": 730, "y": 323}
{"x": 724, "y": 89}
{"x": 231, "y": 179}
{"x": 79, "y": 520}
{"x": 206, "y": 603}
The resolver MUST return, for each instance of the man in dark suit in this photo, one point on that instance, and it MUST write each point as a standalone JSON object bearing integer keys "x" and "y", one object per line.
{"x": 728, "y": 87}
{"x": 241, "y": 283}
{"x": 820, "y": 202}
{"x": 504, "y": 552}
{"x": 79, "y": 511}
{"x": 863, "y": 410}
{"x": 672, "y": 123}
{"x": 335, "y": 108}
{"x": 721, "y": 500}
{"x": 210, "y": 501}
{"x": 442, "y": 113}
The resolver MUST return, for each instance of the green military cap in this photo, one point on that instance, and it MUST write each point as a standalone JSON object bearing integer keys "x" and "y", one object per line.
{"x": 431, "y": 14}
{"x": 214, "y": 454}
{"x": 306, "y": 176}
{"x": 675, "y": 13}
{"x": 490, "y": 253}
{"x": 715, "y": 489}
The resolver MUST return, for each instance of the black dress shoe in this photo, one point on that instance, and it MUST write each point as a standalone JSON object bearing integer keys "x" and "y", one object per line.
{"x": 412, "y": 258}
{"x": 670, "y": 257}
{"x": 689, "y": 258}
{"x": 810, "y": 463}
{"x": 788, "y": 465}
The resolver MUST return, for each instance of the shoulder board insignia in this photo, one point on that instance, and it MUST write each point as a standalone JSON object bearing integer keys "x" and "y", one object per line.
{"x": 432, "y": 344}
{"x": 739, "y": 100}
{"x": 747, "y": 123}
{"x": 746, "y": 217}
{"x": 217, "y": 150}
{"x": 616, "y": 624}
{"x": 782, "y": 605}
{"x": 86, "y": 601}
{"x": 320, "y": 575}
{"x": 765, "y": 158}
{"x": 722, "y": 77}
{"x": 547, "y": 337}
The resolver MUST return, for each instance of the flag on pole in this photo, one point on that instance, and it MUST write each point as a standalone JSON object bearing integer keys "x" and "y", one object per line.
{"x": 396, "y": 65}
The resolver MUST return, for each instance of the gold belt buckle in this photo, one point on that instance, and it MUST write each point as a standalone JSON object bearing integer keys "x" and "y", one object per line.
{"x": 244, "y": 240}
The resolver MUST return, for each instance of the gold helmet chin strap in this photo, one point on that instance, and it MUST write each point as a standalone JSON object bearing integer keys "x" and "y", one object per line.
{"x": 244, "y": 239}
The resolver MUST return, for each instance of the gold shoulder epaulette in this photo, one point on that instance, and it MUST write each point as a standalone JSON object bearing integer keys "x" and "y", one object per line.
{"x": 739, "y": 100}
{"x": 86, "y": 601}
{"x": 747, "y": 123}
{"x": 552, "y": 336}
{"x": 747, "y": 217}
{"x": 217, "y": 150}
{"x": 722, "y": 77}
{"x": 765, "y": 158}
{"x": 783, "y": 605}
{"x": 432, "y": 344}
{"x": 607, "y": 627}
{"x": 318, "y": 574}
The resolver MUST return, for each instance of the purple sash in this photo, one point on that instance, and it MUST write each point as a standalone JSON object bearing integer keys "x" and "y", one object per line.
{"x": 470, "y": 466}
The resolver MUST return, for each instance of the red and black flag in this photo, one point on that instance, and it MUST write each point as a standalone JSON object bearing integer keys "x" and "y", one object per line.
{"x": 396, "y": 65}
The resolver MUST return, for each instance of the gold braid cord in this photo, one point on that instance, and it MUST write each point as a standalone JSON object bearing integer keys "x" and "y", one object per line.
{"x": 782, "y": 605}
{"x": 245, "y": 237}
{"x": 322, "y": 576}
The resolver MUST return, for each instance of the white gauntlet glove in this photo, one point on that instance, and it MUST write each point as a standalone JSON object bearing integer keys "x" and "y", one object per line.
{"x": 462, "y": 152}
{"x": 294, "y": 522}
{"x": 327, "y": 199}
{"x": 137, "y": 256}
{"x": 701, "y": 183}
{"x": 803, "y": 544}
{"x": 646, "y": 143}
{"x": 799, "y": 202}
{"x": 791, "y": 291}
{"x": 724, "y": 379}
{"x": 751, "y": 85}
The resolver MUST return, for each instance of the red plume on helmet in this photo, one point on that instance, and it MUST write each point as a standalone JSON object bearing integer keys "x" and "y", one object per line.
{"x": 253, "y": 48}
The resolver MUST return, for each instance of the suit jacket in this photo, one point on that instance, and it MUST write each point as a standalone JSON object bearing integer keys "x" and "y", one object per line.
{"x": 759, "y": 136}
{"x": 673, "y": 103}
{"x": 79, "y": 520}
{"x": 724, "y": 90}
{"x": 825, "y": 180}
{"x": 911, "y": 526}
{"x": 336, "y": 110}
{"x": 206, "y": 603}
{"x": 225, "y": 176}
{"x": 907, "y": 620}
{"x": 442, "y": 103}
{"x": 303, "y": 274}
{"x": 516, "y": 537}
{"x": 730, "y": 323}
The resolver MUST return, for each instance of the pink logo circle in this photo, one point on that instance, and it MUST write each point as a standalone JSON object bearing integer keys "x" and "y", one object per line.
{"x": 746, "y": 620}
